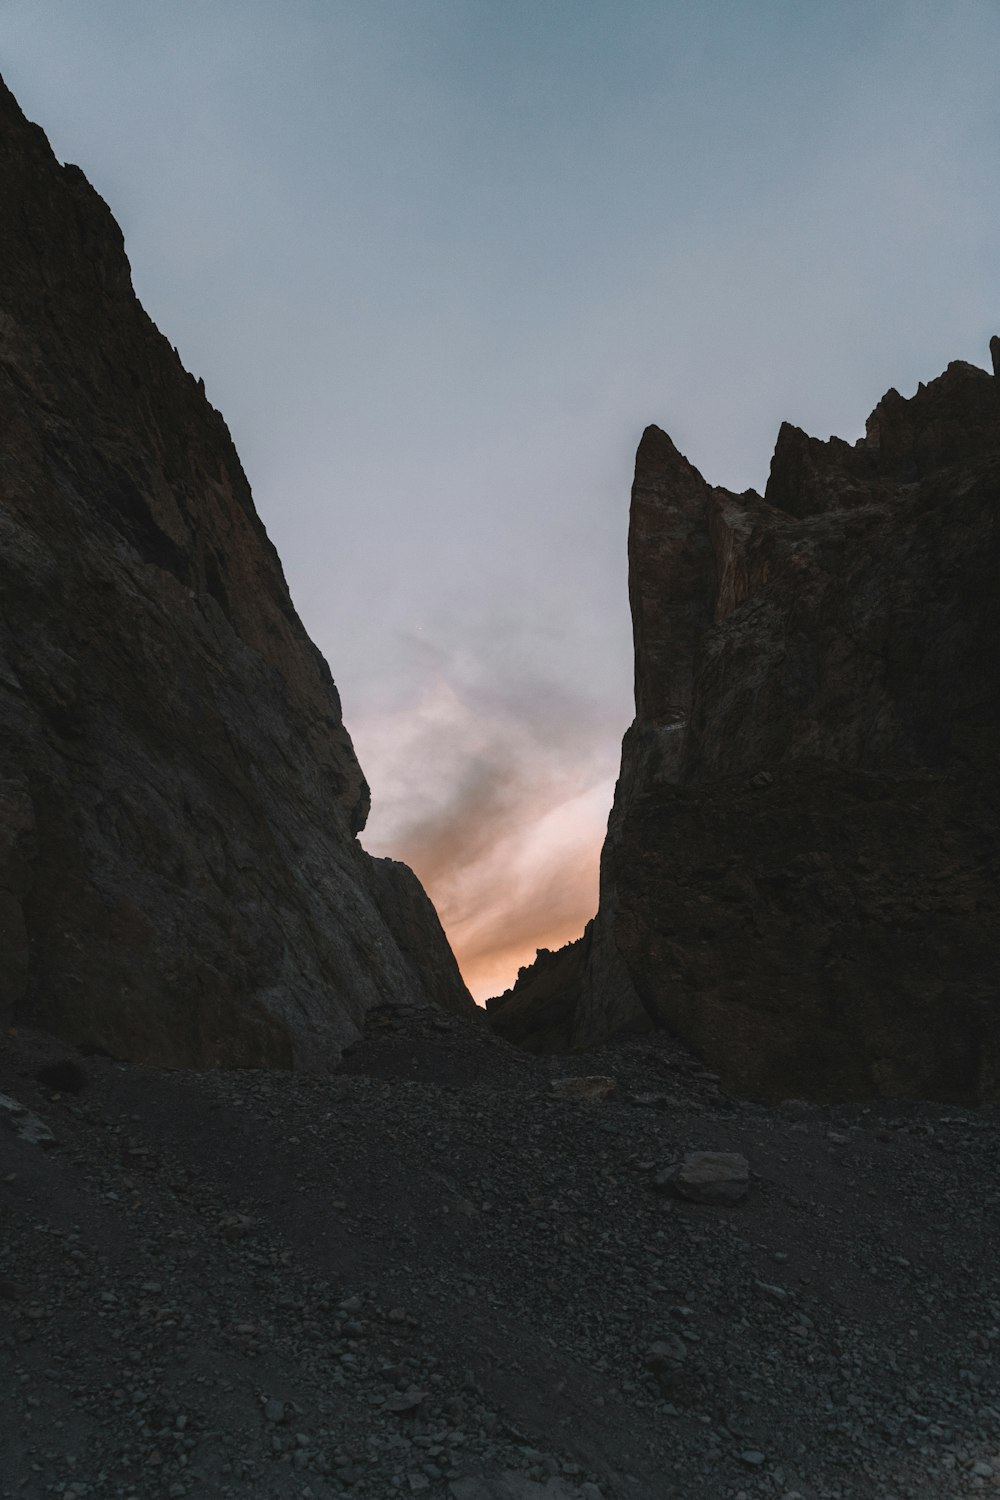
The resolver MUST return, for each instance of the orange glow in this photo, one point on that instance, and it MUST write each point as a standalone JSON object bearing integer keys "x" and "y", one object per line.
{"x": 534, "y": 887}
{"x": 491, "y": 973}
{"x": 503, "y": 828}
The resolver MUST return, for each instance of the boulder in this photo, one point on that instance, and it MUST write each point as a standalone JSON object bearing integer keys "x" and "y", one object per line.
{"x": 709, "y": 1177}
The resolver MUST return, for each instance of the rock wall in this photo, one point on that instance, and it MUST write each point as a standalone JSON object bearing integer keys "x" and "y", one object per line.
{"x": 180, "y": 879}
{"x": 800, "y": 874}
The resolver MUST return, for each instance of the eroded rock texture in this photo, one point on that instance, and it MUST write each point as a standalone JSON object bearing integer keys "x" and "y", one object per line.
{"x": 179, "y": 875}
{"x": 800, "y": 874}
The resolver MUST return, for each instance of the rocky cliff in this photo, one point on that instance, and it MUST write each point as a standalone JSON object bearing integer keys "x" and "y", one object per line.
{"x": 800, "y": 873}
{"x": 179, "y": 875}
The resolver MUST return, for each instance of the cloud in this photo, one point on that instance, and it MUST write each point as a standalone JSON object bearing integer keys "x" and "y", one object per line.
{"x": 538, "y": 895}
{"x": 495, "y": 786}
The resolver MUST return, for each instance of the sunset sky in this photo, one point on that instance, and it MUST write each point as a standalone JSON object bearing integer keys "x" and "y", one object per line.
{"x": 440, "y": 261}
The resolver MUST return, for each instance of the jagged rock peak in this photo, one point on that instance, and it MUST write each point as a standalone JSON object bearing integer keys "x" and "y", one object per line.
{"x": 946, "y": 421}
{"x": 179, "y": 877}
{"x": 666, "y": 532}
{"x": 800, "y": 872}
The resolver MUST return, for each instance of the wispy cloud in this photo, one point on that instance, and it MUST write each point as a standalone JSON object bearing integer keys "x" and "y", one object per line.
{"x": 494, "y": 785}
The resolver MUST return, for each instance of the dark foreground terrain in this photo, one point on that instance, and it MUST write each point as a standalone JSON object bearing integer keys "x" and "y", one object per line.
{"x": 430, "y": 1275}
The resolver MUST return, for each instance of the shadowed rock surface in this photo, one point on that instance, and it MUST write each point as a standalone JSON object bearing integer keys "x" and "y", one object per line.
{"x": 800, "y": 873}
{"x": 538, "y": 1011}
{"x": 179, "y": 875}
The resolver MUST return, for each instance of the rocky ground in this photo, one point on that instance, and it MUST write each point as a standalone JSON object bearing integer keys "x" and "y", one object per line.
{"x": 432, "y": 1274}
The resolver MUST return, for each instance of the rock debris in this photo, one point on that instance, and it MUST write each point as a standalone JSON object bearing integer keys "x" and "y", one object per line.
{"x": 448, "y": 1281}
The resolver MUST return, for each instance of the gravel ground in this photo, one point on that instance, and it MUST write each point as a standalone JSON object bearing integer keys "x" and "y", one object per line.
{"x": 431, "y": 1274}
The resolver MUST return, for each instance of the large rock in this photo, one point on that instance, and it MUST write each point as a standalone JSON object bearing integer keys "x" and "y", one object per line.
{"x": 709, "y": 1177}
{"x": 800, "y": 873}
{"x": 179, "y": 875}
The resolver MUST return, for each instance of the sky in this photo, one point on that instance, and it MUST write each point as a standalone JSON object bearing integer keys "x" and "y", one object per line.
{"x": 439, "y": 262}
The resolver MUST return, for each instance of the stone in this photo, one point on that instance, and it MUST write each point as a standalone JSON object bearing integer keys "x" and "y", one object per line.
{"x": 667, "y": 1352}
{"x": 29, "y": 1127}
{"x": 666, "y": 1360}
{"x": 234, "y": 1226}
{"x": 35, "y": 1131}
{"x": 796, "y": 876}
{"x": 711, "y": 1177}
{"x": 773, "y": 1292}
{"x": 405, "y": 1401}
{"x": 180, "y": 877}
{"x": 593, "y": 1087}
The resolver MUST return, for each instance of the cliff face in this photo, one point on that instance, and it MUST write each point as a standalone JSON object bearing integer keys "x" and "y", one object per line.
{"x": 800, "y": 874}
{"x": 179, "y": 875}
